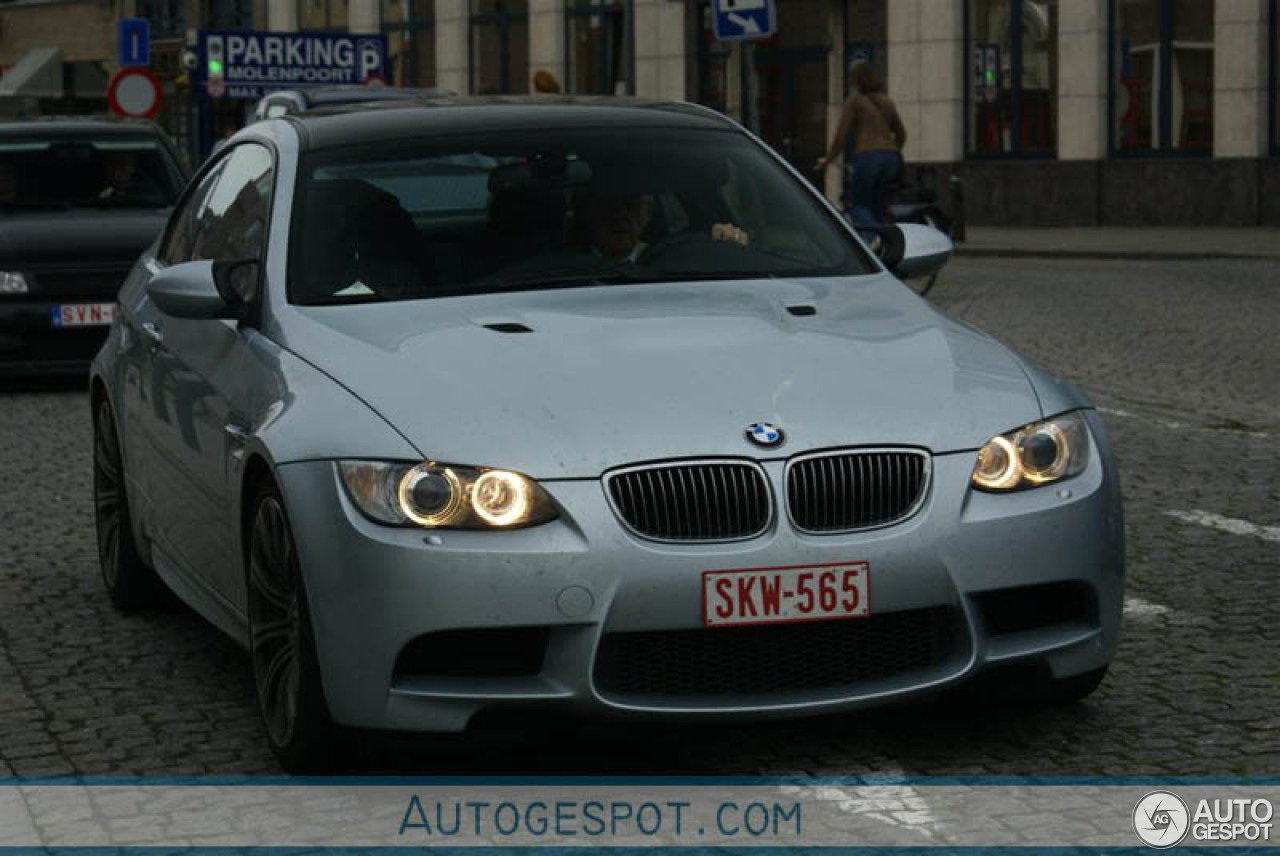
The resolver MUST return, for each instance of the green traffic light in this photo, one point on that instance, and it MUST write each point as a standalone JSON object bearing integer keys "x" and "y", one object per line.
{"x": 215, "y": 66}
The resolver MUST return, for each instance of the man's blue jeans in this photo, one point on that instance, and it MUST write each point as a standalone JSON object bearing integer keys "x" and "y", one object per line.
{"x": 867, "y": 192}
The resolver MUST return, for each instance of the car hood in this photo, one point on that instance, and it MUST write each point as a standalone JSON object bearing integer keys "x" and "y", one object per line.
{"x": 80, "y": 235}
{"x": 614, "y": 375}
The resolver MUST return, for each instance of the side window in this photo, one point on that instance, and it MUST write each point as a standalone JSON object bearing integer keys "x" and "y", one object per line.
{"x": 231, "y": 223}
{"x": 177, "y": 247}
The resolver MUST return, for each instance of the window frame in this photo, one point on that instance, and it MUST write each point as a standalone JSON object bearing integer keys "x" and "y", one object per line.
{"x": 215, "y": 164}
{"x": 329, "y": 25}
{"x": 180, "y": 209}
{"x": 1162, "y": 110}
{"x": 623, "y": 8}
{"x": 414, "y": 28}
{"x": 502, "y": 20}
{"x": 1016, "y": 152}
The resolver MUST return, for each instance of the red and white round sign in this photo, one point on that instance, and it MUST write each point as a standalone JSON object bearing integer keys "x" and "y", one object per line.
{"x": 134, "y": 92}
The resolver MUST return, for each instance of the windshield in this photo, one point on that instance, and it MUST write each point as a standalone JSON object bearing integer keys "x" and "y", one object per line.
{"x": 85, "y": 172}
{"x": 553, "y": 209}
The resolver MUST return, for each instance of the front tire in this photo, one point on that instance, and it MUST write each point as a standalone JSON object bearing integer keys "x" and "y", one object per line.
{"x": 130, "y": 584}
{"x": 286, "y": 670}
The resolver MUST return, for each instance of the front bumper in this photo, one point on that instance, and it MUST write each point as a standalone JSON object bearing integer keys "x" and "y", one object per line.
{"x": 373, "y": 590}
{"x": 30, "y": 343}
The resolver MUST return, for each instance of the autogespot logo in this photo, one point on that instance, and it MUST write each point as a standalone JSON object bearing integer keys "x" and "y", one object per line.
{"x": 1160, "y": 819}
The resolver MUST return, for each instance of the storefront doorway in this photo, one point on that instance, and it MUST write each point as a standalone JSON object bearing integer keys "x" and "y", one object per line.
{"x": 790, "y": 101}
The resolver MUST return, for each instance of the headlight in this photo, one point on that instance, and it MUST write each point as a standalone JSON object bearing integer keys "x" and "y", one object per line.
{"x": 1040, "y": 453}
{"x": 445, "y": 496}
{"x": 13, "y": 283}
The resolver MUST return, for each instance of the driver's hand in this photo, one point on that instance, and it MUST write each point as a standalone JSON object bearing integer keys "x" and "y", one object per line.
{"x": 730, "y": 232}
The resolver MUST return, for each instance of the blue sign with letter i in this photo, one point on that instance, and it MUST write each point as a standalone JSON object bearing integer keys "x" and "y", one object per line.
{"x": 135, "y": 42}
{"x": 738, "y": 20}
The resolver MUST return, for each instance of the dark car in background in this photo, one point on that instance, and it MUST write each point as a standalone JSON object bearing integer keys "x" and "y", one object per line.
{"x": 80, "y": 199}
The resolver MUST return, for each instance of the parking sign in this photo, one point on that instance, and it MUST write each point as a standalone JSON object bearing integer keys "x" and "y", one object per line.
{"x": 134, "y": 42}
{"x": 739, "y": 20}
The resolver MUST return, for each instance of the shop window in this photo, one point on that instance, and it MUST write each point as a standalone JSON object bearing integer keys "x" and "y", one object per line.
{"x": 1011, "y": 80}
{"x": 499, "y": 46}
{"x": 226, "y": 14}
{"x": 595, "y": 43}
{"x": 1162, "y": 77}
{"x": 711, "y": 76}
{"x": 411, "y": 41}
{"x": 322, "y": 14}
{"x": 166, "y": 17}
{"x": 787, "y": 91}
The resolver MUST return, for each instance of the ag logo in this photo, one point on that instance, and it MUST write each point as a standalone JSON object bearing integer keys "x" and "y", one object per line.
{"x": 1161, "y": 819}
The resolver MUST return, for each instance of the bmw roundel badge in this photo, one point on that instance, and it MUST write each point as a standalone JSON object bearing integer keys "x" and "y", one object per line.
{"x": 765, "y": 434}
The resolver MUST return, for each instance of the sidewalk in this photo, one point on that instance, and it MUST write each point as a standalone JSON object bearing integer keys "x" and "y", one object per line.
{"x": 1123, "y": 243}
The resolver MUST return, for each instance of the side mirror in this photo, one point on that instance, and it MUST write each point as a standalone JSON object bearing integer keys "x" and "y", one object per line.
{"x": 202, "y": 290}
{"x": 924, "y": 251}
{"x": 910, "y": 250}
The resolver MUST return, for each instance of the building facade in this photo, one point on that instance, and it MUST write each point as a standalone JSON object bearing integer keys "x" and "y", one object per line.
{"x": 1052, "y": 112}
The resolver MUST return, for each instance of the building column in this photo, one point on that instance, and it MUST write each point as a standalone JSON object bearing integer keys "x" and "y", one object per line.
{"x": 1241, "y": 33}
{"x": 833, "y": 183}
{"x": 659, "y": 40}
{"x": 546, "y": 40}
{"x": 926, "y": 76}
{"x": 282, "y": 15}
{"x": 452, "y": 41}
{"x": 1082, "y": 80}
{"x": 364, "y": 16}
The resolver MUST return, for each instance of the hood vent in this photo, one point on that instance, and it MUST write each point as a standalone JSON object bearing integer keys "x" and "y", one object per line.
{"x": 507, "y": 327}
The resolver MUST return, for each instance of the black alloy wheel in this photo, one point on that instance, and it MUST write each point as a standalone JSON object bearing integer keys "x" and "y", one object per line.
{"x": 130, "y": 583}
{"x": 286, "y": 673}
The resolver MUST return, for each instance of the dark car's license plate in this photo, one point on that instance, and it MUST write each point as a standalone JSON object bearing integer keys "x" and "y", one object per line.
{"x": 83, "y": 314}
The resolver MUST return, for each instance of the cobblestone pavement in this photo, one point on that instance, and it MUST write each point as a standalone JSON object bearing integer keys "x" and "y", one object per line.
{"x": 1181, "y": 357}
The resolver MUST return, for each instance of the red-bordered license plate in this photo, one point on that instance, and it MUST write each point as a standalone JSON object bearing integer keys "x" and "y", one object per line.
{"x": 785, "y": 595}
{"x": 83, "y": 314}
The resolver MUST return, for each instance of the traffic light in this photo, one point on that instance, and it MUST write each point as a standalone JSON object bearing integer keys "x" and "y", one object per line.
{"x": 213, "y": 59}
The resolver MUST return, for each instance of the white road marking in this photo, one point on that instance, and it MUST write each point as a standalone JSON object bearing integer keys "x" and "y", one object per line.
{"x": 1172, "y": 425}
{"x": 1136, "y": 607}
{"x": 1228, "y": 524}
{"x": 892, "y": 805}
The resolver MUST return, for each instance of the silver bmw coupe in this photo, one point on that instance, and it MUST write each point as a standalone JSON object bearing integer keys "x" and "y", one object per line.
{"x": 450, "y": 405}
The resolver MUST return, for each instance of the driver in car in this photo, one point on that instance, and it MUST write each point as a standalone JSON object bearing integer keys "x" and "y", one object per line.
{"x": 614, "y": 224}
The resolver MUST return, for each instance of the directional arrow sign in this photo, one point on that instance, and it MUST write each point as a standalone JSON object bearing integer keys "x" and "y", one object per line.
{"x": 737, "y": 20}
{"x": 748, "y": 25}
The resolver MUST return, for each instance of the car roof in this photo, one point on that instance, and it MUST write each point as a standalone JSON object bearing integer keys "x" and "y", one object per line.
{"x": 76, "y": 125}
{"x": 327, "y": 127}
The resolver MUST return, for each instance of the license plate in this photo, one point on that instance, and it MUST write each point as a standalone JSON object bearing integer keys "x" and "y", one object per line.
{"x": 785, "y": 595}
{"x": 83, "y": 314}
